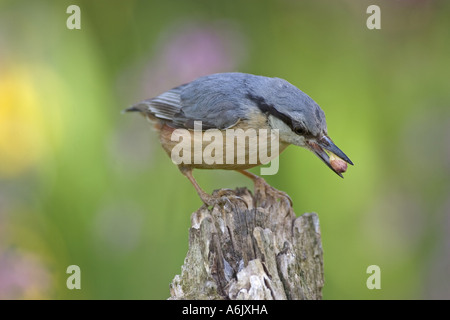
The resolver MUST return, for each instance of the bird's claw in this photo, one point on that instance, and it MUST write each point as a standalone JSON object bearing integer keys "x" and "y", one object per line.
{"x": 263, "y": 188}
{"x": 220, "y": 197}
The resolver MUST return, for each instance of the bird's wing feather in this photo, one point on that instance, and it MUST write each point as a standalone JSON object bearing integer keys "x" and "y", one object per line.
{"x": 163, "y": 107}
{"x": 215, "y": 100}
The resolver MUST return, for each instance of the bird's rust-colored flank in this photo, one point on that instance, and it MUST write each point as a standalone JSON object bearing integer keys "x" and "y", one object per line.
{"x": 169, "y": 140}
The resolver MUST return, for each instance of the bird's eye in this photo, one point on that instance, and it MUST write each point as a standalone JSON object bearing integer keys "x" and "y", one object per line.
{"x": 299, "y": 130}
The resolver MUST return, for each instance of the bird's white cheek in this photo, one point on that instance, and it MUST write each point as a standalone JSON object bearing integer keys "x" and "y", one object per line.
{"x": 299, "y": 141}
{"x": 294, "y": 139}
{"x": 286, "y": 134}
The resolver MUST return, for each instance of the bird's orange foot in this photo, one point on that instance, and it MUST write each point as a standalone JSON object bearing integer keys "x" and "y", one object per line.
{"x": 262, "y": 188}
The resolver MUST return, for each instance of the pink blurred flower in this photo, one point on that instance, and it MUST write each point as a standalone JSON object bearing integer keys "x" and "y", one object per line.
{"x": 22, "y": 276}
{"x": 191, "y": 50}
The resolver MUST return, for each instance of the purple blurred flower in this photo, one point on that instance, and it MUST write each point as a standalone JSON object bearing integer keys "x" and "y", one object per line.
{"x": 191, "y": 50}
{"x": 22, "y": 276}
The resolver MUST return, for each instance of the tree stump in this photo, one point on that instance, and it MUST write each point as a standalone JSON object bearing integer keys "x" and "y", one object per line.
{"x": 253, "y": 248}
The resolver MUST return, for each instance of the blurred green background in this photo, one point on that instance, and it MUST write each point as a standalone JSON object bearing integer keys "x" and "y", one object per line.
{"x": 83, "y": 184}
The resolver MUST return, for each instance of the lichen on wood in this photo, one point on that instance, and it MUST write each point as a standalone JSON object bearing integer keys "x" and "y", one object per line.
{"x": 251, "y": 248}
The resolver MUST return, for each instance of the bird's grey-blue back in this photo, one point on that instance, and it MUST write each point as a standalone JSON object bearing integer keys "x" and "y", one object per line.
{"x": 220, "y": 100}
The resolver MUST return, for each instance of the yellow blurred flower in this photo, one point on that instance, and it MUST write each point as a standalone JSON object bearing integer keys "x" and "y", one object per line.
{"x": 21, "y": 123}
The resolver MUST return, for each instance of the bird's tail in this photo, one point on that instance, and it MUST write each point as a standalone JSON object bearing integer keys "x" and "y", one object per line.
{"x": 135, "y": 108}
{"x": 164, "y": 107}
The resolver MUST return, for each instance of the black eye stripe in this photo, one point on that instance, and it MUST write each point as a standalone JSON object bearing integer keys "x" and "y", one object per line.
{"x": 270, "y": 109}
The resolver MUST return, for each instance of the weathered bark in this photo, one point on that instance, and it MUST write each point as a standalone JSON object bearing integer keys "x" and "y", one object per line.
{"x": 254, "y": 248}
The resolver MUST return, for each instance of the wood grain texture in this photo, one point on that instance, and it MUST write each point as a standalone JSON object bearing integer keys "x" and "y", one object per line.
{"x": 254, "y": 248}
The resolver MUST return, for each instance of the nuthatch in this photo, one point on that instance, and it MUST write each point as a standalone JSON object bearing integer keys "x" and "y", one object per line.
{"x": 242, "y": 101}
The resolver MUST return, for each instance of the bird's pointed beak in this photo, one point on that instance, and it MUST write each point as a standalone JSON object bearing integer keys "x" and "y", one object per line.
{"x": 336, "y": 161}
